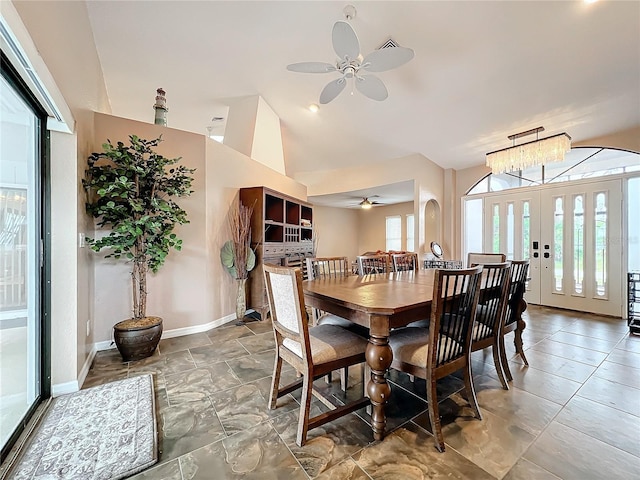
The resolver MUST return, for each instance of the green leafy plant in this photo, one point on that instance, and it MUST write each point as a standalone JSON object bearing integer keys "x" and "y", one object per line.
{"x": 131, "y": 190}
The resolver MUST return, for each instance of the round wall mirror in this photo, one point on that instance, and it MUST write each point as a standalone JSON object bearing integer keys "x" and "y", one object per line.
{"x": 436, "y": 249}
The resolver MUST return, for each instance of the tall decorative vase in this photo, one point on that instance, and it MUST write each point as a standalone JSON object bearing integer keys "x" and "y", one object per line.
{"x": 241, "y": 299}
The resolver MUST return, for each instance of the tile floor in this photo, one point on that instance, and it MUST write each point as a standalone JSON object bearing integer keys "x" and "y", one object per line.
{"x": 574, "y": 413}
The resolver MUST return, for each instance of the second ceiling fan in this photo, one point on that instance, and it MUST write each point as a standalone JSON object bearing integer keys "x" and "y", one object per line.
{"x": 352, "y": 65}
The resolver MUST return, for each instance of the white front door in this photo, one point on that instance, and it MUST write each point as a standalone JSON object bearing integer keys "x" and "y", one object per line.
{"x": 571, "y": 234}
{"x": 581, "y": 265}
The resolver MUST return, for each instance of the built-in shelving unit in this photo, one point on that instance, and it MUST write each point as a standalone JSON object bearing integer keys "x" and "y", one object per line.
{"x": 281, "y": 233}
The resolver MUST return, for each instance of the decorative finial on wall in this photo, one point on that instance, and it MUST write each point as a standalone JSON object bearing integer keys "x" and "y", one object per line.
{"x": 161, "y": 108}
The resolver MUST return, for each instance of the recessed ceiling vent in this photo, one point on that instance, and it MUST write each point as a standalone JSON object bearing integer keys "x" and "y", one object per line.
{"x": 391, "y": 43}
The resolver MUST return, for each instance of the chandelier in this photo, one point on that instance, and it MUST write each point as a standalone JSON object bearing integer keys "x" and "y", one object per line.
{"x": 536, "y": 152}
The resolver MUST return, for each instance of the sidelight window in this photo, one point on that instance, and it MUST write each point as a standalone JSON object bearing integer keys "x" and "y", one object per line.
{"x": 578, "y": 244}
{"x": 600, "y": 227}
{"x": 558, "y": 237}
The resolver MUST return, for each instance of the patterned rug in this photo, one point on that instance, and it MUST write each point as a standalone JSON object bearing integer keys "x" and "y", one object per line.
{"x": 102, "y": 433}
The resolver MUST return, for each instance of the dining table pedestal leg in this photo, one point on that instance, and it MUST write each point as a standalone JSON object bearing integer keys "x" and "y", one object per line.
{"x": 379, "y": 357}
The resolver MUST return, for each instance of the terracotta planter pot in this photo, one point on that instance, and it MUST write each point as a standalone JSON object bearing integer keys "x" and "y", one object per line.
{"x": 137, "y": 339}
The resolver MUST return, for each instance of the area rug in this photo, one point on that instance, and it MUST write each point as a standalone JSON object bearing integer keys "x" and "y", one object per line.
{"x": 106, "y": 432}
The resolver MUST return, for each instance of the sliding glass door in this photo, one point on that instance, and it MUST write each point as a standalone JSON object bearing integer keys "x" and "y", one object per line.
{"x": 21, "y": 352}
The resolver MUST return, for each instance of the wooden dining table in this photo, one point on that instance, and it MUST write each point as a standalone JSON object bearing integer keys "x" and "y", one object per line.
{"x": 379, "y": 302}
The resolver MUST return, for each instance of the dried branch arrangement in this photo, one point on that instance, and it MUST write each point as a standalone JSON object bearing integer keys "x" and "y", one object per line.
{"x": 236, "y": 254}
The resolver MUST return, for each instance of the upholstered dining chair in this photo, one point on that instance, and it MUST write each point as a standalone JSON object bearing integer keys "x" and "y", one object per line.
{"x": 371, "y": 264}
{"x": 333, "y": 267}
{"x": 515, "y": 307}
{"x": 404, "y": 261}
{"x": 484, "y": 258}
{"x": 492, "y": 302}
{"x": 312, "y": 351}
{"x": 443, "y": 348}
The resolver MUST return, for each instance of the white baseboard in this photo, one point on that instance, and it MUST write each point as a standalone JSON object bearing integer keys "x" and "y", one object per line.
{"x": 106, "y": 345}
{"x": 87, "y": 364}
{"x": 176, "y": 332}
{"x": 179, "y": 332}
{"x": 74, "y": 386}
{"x": 64, "y": 388}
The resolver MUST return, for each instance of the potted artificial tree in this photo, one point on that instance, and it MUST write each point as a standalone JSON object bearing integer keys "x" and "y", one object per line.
{"x": 131, "y": 190}
{"x": 238, "y": 257}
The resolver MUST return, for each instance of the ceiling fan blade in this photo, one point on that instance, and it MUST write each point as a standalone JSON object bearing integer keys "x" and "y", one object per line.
{"x": 372, "y": 87}
{"x": 332, "y": 90}
{"x": 311, "y": 67}
{"x": 345, "y": 41}
{"x": 386, "y": 59}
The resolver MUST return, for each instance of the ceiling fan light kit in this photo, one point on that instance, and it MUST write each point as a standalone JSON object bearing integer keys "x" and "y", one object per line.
{"x": 352, "y": 65}
{"x": 366, "y": 204}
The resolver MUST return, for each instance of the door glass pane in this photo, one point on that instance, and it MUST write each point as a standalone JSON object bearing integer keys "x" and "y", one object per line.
{"x": 578, "y": 243}
{"x": 526, "y": 230}
{"x": 601, "y": 244}
{"x": 496, "y": 229}
{"x": 19, "y": 320}
{"x": 558, "y": 226}
{"x": 473, "y": 226}
{"x": 510, "y": 231}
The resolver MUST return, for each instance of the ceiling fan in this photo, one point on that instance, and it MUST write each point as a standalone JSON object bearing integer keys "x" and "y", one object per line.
{"x": 367, "y": 204}
{"x": 352, "y": 65}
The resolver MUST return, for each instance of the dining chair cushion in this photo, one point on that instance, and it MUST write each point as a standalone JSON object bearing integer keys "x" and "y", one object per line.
{"x": 411, "y": 345}
{"x": 331, "y": 319}
{"x": 420, "y": 324}
{"x": 329, "y": 342}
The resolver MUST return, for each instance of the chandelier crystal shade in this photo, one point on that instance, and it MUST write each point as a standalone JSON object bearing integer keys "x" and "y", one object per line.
{"x": 537, "y": 152}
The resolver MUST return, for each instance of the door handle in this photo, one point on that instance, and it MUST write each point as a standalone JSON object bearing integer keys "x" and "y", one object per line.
{"x": 546, "y": 254}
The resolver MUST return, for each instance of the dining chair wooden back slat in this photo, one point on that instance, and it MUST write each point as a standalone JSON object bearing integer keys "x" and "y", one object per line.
{"x": 513, "y": 315}
{"x": 402, "y": 262}
{"x": 490, "y": 312}
{"x": 444, "y": 347}
{"x": 454, "y": 304}
{"x": 373, "y": 264}
{"x": 327, "y": 267}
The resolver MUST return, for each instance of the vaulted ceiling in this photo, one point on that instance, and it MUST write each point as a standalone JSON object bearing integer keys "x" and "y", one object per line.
{"x": 482, "y": 71}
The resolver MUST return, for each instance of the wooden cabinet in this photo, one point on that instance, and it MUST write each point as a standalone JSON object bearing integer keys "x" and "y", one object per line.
{"x": 281, "y": 233}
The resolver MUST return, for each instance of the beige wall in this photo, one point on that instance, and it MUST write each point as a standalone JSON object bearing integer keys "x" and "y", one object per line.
{"x": 62, "y": 34}
{"x": 626, "y": 139}
{"x": 178, "y": 292}
{"x": 64, "y": 48}
{"x": 226, "y": 172}
{"x": 192, "y": 289}
{"x": 428, "y": 184}
{"x": 67, "y": 343}
{"x": 372, "y": 226}
{"x": 337, "y": 231}
{"x": 267, "y": 139}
